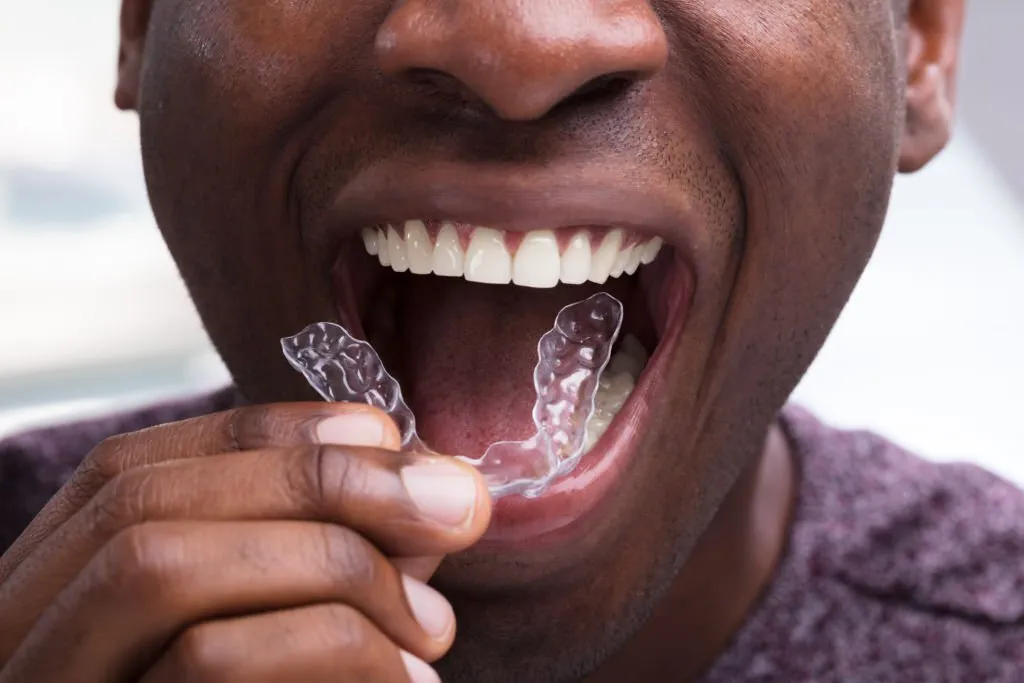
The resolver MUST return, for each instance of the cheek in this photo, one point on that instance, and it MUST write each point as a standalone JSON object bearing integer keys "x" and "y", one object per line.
{"x": 808, "y": 105}
{"x": 227, "y": 87}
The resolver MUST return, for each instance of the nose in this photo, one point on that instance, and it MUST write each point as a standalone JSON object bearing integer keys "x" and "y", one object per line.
{"x": 521, "y": 58}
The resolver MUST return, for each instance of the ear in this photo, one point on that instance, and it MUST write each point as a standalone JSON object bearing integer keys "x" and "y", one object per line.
{"x": 933, "y": 29}
{"x": 134, "y": 24}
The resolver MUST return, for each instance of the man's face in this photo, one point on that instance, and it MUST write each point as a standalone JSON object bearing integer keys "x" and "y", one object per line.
{"x": 758, "y": 140}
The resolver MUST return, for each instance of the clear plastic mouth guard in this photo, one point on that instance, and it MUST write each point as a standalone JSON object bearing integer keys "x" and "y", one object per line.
{"x": 570, "y": 360}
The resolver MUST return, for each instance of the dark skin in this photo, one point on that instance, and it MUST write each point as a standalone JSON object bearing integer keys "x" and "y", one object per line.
{"x": 256, "y": 546}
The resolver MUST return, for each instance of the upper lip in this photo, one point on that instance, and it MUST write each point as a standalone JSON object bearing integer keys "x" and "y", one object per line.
{"x": 515, "y": 200}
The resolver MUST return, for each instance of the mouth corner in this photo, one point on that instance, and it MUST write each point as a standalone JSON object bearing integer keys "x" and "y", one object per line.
{"x": 459, "y": 342}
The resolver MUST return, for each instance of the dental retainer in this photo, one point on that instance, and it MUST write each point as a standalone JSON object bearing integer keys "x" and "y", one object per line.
{"x": 570, "y": 359}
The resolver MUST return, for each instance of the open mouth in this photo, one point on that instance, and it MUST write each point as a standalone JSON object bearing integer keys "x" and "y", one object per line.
{"x": 455, "y": 311}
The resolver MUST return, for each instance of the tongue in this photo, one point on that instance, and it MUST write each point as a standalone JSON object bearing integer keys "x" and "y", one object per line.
{"x": 469, "y": 351}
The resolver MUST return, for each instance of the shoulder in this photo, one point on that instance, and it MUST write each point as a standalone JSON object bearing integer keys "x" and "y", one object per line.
{"x": 946, "y": 537}
{"x": 897, "y": 568}
{"x": 35, "y": 464}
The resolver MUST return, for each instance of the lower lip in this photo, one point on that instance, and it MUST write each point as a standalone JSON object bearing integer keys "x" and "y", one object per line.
{"x": 516, "y": 519}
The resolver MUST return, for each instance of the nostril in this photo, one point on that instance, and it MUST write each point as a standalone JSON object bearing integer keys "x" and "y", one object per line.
{"x": 432, "y": 77}
{"x": 438, "y": 82}
{"x": 606, "y": 86}
{"x": 435, "y": 80}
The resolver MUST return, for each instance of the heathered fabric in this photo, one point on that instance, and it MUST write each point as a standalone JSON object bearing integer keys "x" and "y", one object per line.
{"x": 897, "y": 569}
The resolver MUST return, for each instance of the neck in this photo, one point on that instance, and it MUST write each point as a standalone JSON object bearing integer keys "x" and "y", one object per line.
{"x": 719, "y": 585}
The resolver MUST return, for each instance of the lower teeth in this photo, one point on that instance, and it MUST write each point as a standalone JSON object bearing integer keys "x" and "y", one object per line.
{"x": 574, "y": 407}
{"x": 615, "y": 387}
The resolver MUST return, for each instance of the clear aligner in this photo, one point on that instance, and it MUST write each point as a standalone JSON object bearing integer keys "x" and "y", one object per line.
{"x": 343, "y": 368}
{"x": 570, "y": 360}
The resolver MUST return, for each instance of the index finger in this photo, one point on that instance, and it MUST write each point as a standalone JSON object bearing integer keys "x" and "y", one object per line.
{"x": 240, "y": 429}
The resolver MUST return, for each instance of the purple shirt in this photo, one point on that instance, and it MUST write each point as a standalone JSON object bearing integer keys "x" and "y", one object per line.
{"x": 897, "y": 569}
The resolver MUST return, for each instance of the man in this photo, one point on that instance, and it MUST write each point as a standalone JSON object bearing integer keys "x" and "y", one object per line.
{"x": 442, "y": 177}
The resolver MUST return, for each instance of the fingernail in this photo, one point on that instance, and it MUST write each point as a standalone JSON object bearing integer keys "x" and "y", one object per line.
{"x": 444, "y": 492}
{"x": 351, "y": 429}
{"x": 418, "y": 670}
{"x": 429, "y": 607}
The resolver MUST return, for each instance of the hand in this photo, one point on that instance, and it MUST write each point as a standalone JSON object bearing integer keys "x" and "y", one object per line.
{"x": 265, "y": 544}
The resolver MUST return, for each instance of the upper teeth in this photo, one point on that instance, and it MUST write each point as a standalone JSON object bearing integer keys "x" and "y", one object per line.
{"x": 536, "y": 263}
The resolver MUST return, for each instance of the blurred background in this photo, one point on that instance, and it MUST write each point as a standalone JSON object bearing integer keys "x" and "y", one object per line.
{"x": 93, "y": 317}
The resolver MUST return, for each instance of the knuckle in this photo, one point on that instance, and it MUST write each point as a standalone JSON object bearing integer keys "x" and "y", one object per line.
{"x": 144, "y": 562}
{"x": 119, "y": 503}
{"x": 356, "y": 641}
{"x": 200, "y": 655}
{"x": 351, "y": 558}
{"x": 328, "y": 477}
{"x": 350, "y": 631}
{"x": 240, "y": 422}
{"x": 303, "y": 477}
{"x": 254, "y": 427}
{"x": 104, "y": 462}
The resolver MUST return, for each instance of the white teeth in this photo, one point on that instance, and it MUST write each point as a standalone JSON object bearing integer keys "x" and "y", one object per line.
{"x": 487, "y": 259}
{"x": 537, "y": 263}
{"x": 613, "y": 392}
{"x": 615, "y": 386}
{"x": 595, "y": 430}
{"x": 384, "y": 253}
{"x": 623, "y": 363}
{"x": 630, "y": 358}
{"x": 634, "y": 259}
{"x": 576, "y": 260}
{"x": 621, "y": 261}
{"x": 632, "y": 347}
{"x": 396, "y": 251}
{"x": 418, "y": 248}
{"x": 603, "y": 259}
{"x": 448, "y": 257}
{"x": 651, "y": 250}
{"x": 370, "y": 241}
